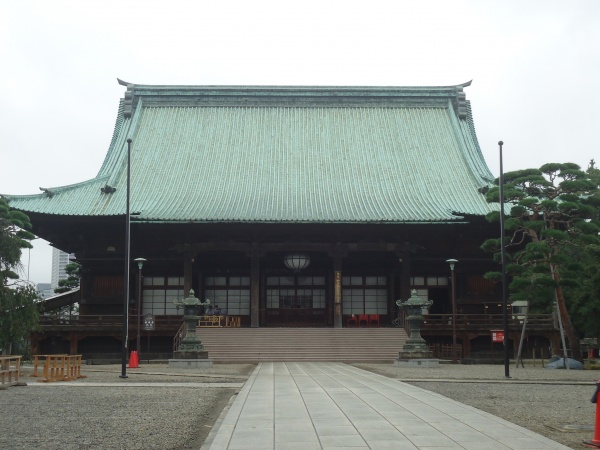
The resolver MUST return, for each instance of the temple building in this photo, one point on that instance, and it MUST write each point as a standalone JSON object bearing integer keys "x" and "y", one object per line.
{"x": 285, "y": 206}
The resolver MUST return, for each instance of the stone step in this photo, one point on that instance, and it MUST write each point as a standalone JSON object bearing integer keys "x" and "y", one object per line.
{"x": 302, "y": 344}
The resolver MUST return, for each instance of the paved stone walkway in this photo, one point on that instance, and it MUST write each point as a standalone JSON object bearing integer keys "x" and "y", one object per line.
{"x": 333, "y": 405}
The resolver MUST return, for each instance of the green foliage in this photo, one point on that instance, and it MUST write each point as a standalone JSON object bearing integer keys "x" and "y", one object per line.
{"x": 19, "y": 313}
{"x": 554, "y": 220}
{"x": 73, "y": 271}
{"x": 584, "y": 291}
{"x": 493, "y": 216}
{"x": 491, "y": 245}
{"x": 512, "y": 224}
{"x": 590, "y": 228}
{"x": 493, "y": 276}
{"x": 14, "y": 236}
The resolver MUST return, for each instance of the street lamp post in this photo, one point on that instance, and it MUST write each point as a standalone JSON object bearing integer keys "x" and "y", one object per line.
{"x": 140, "y": 262}
{"x": 452, "y": 262}
{"x": 125, "y": 333}
{"x": 503, "y": 263}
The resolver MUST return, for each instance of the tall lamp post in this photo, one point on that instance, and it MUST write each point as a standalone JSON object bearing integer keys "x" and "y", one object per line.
{"x": 503, "y": 263}
{"x": 140, "y": 262}
{"x": 452, "y": 262}
{"x": 125, "y": 336}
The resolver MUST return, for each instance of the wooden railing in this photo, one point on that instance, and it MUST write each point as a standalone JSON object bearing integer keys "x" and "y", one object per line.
{"x": 479, "y": 322}
{"x": 106, "y": 321}
{"x": 59, "y": 368}
{"x": 179, "y": 337}
{"x": 444, "y": 351}
{"x": 487, "y": 321}
{"x": 10, "y": 371}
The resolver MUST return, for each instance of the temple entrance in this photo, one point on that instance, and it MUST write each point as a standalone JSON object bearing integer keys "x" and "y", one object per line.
{"x": 296, "y": 300}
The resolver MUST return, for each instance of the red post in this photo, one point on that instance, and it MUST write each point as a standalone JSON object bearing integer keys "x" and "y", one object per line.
{"x": 595, "y": 442}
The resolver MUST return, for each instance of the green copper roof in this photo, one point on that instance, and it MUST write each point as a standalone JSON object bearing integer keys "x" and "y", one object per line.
{"x": 285, "y": 154}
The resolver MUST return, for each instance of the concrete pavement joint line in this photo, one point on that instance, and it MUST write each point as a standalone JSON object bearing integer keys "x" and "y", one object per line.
{"x": 84, "y": 384}
{"x": 385, "y": 382}
{"x": 304, "y": 403}
{"x": 527, "y": 434}
{"x": 355, "y": 376}
{"x": 428, "y": 399}
{"x": 330, "y": 391}
{"x": 240, "y": 400}
{"x": 388, "y": 383}
{"x": 169, "y": 374}
{"x": 273, "y": 406}
{"x": 298, "y": 388}
{"x": 481, "y": 381}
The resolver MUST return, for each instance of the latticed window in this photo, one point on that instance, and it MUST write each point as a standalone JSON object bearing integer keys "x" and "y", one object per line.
{"x": 296, "y": 291}
{"x": 230, "y": 293}
{"x": 159, "y": 293}
{"x": 364, "y": 295}
{"x": 422, "y": 284}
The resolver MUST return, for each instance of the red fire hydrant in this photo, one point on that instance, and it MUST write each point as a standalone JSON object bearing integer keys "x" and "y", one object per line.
{"x": 595, "y": 442}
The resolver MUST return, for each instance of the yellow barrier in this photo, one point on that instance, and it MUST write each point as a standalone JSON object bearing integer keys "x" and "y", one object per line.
{"x": 61, "y": 368}
{"x": 233, "y": 321}
{"x": 210, "y": 321}
{"x": 10, "y": 371}
{"x": 219, "y": 321}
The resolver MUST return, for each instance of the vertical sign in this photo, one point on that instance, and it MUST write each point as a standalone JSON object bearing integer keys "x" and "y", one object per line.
{"x": 338, "y": 293}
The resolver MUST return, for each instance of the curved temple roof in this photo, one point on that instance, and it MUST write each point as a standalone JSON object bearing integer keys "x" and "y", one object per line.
{"x": 285, "y": 154}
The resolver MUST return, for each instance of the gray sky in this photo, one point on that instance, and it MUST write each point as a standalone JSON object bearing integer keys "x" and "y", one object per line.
{"x": 535, "y": 66}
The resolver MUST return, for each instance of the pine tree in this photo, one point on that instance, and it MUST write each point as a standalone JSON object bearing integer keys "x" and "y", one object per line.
{"x": 19, "y": 312}
{"x": 553, "y": 216}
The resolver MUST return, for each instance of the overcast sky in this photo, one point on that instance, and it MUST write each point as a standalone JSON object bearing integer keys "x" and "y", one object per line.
{"x": 535, "y": 67}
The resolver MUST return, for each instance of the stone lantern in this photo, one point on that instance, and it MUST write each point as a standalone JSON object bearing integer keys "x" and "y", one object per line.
{"x": 415, "y": 350}
{"x": 191, "y": 352}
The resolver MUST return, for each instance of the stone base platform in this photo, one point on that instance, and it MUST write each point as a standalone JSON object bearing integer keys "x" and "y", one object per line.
{"x": 416, "y": 362}
{"x": 190, "y": 363}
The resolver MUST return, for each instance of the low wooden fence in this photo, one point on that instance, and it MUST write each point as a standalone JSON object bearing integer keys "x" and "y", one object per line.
{"x": 444, "y": 351}
{"x": 10, "y": 371}
{"x": 57, "y": 368}
{"x": 488, "y": 321}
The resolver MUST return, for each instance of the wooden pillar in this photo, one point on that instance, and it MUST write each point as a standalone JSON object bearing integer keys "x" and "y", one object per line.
{"x": 405, "y": 276}
{"x": 337, "y": 289}
{"x": 34, "y": 342}
{"x": 467, "y": 345}
{"x": 255, "y": 287}
{"x": 73, "y": 344}
{"x": 392, "y": 297}
{"x": 188, "y": 260}
{"x": 555, "y": 344}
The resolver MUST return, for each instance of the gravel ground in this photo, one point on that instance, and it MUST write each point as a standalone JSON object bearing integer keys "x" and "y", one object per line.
{"x": 82, "y": 416}
{"x": 79, "y": 416}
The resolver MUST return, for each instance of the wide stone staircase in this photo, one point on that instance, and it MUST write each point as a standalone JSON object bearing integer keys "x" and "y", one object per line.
{"x": 251, "y": 345}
